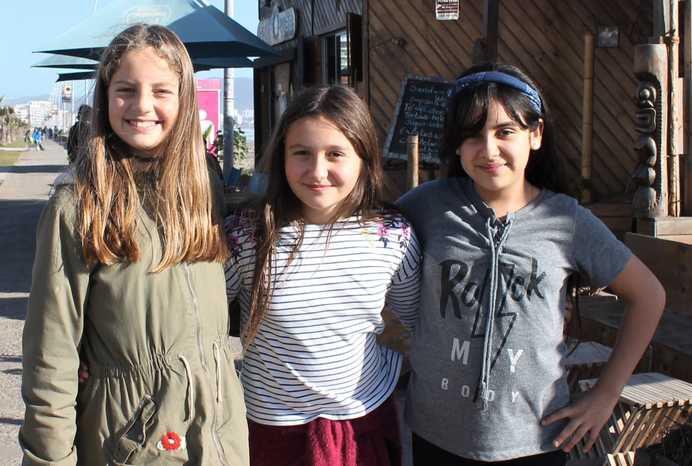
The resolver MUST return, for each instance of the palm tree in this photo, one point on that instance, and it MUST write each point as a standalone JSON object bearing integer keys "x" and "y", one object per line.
{"x": 10, "y": 124}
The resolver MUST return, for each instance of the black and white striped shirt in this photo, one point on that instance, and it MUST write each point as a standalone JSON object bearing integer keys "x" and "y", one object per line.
{"x": 315, "y": 354}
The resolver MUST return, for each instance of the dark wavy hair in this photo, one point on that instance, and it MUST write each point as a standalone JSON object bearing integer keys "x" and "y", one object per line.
{"x": 467, "y": 112}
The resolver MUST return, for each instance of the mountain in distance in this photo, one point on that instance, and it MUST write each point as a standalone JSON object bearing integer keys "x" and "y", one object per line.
{"x": 23, "y": 100}
{"x": 243, "y": 93}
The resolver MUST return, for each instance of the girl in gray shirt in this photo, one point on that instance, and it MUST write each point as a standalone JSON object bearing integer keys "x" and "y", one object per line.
{"x": 500, "y": 241}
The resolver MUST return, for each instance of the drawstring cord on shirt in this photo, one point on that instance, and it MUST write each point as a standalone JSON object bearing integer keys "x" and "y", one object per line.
{"x": 190, "y": 387}
{"x": 495, "y": 251}
{"x": 217, "y": 359}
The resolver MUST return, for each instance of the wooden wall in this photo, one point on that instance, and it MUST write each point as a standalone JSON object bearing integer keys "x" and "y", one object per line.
{"x": 330, "y": 15}
{"x": 543, "y": 37}
{"x": 317, "y": 17}
{"x": 404, "y": 38}
{"x": 552, "y": 50}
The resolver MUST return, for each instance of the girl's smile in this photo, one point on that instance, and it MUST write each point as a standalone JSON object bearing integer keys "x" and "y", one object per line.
{"x": 143, "y": 126}
{"x": 493, "y": 168}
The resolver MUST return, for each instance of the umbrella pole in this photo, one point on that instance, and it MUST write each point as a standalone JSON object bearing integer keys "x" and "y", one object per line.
{"x": 227, "y": 106}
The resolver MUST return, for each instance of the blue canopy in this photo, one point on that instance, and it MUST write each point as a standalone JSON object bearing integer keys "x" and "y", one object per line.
{"x": 76, "y": 76}
{"x": 206, "y": 31}
{"x": 62, "y": 61}
{"x": 85, "y": 68}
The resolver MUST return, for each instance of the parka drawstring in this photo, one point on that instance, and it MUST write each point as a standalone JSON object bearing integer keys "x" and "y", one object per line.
{"x": 217, "y": 359}
{"x": 190, "y": 387}
{"x": 495, "y": 251}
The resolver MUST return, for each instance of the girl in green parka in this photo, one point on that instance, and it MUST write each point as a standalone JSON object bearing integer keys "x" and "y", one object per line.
{"x": 128, "y": 276}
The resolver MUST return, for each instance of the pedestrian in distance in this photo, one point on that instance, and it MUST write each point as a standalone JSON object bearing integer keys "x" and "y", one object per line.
{"x": 312, "y": 265}
{"x": 37, "y": 138}
{"x": 500, "y": 240}
{"x": 78, "y": 136}
{"x": 129, "y": 277}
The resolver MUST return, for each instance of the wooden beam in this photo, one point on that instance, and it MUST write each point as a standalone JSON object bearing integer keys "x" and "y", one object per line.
{"x": 491, "y": 12}
{"x": 662, "y": 226}
{"x": 413, "y": 159}
{"x": 687, "y": 165}
{"x": 365, "y": 94}
{"x": 674, "y": 114}
{"x": 661, "y": 19}
{"x": 587, "y": 119}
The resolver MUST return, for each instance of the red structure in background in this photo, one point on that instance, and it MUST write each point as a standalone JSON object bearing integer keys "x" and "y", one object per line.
{"x": 208, "y": 100}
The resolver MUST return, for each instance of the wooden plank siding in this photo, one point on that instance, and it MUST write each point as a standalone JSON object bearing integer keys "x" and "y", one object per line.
{"x": 541, "y": 36}
{"x": 330, "y": 15}
{"x": 550, "y": 48}
{"x": 404, "y": 38}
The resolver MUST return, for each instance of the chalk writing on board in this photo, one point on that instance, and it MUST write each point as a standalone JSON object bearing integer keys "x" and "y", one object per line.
{"x": 420, "y": 110}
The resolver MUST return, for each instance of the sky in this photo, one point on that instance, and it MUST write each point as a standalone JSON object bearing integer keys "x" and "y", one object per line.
{"x": 29, "y": 25}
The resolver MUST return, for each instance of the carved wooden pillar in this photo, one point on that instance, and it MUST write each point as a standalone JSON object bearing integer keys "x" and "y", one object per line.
{"x": 651, "y": 174}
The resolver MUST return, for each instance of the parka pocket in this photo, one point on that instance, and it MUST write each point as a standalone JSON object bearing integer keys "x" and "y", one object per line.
{"x": 145, "y": 440}
{"x": 232, "y": 428}
{"x": 230, "y": 401}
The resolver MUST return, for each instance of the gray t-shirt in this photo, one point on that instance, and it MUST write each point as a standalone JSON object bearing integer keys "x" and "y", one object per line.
{"x": 480, "y": 387}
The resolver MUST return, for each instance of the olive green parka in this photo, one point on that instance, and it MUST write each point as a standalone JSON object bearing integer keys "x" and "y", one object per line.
{"x": 162, "y": 388}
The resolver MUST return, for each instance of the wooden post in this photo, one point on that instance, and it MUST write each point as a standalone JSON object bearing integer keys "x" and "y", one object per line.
{"x": 587, "y": 119}
{"x": 650, "y": 199}
{"x": 687, "y": 165}
{"x": 673, "y": 119}
{"x": 412, "y": 166}
{"x": 490, "y": 30}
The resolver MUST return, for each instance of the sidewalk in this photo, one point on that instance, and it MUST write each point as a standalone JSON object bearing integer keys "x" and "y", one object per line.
{"x": 24, "y": 191}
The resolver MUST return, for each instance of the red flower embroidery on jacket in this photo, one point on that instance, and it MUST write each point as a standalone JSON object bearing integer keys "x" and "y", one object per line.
{"x": 170, "y": 441}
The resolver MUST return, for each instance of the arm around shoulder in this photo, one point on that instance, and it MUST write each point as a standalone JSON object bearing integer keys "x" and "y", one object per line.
{"x": 52, "y": 334}
{"x": 404, "y": 294}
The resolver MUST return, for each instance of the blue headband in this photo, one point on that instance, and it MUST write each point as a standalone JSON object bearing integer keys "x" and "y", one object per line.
{"x": 472, "y": 80}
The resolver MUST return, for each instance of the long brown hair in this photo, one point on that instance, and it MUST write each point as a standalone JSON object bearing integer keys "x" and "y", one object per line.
{"x": 345, "y": 110}
{"x": 106, "y": 181}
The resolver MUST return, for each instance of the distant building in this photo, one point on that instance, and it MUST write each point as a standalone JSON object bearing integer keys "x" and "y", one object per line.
{"x": 22, "y": 112}
{"x": 62, "y": 119}
{"x": 37, "y": 113}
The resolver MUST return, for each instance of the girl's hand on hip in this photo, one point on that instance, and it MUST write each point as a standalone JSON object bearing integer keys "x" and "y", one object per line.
{"x": 586, "y": 416}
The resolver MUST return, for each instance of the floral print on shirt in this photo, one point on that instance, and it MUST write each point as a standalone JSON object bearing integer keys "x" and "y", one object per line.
{"x": 388, "y": 231}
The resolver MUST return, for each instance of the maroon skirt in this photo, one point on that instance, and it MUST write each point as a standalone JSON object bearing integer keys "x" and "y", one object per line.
{"x": 371, "y": 440}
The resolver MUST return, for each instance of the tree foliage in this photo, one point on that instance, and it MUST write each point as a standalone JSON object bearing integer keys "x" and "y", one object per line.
{"x": 10, "y": 124}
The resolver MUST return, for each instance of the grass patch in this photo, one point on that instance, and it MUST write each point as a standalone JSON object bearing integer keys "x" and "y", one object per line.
{"x": 16, "y": 143}
{"x": 7, "y": 159}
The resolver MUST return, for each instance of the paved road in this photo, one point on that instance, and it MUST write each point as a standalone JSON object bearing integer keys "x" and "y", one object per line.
{"x": 24, "y": 191}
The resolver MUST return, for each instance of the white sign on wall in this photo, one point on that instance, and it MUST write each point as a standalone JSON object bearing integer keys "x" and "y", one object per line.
{"x": 447, "y": 10}
{"x": 67, "y": 93}
{"x": 279, "y": 27}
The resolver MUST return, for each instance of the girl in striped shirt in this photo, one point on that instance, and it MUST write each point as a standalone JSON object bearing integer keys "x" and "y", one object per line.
{"x": 312, "y": 266}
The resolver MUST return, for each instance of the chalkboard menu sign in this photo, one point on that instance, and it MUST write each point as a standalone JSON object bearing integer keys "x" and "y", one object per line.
{"x": 420, "y": 110}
